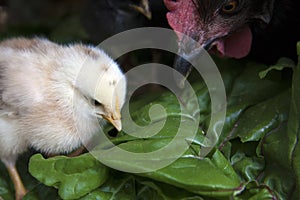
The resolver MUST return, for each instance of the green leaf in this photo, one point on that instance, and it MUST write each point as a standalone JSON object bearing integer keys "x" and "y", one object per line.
{"x": 41, "y": 192}
{"x": 74, "y": 177}
{"x": 262, "y": 118}
{"x": 244, "y": 90}
{"x": 293, "y": 132}
{"x": 248, "y": 167}
{"x": 126, "y": 186}
{"x": 156, "y": 190}
{"x": 212, "y": 177}
{"x": 248, "y": 89}
{"x": 280, "y": 65}
{"x": 255, "y": 192}
{"x": 278, "y": 173}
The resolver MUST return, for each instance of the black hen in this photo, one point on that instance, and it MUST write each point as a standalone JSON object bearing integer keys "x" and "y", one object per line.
{"x": 104, "y": 18}
{"x": 262, "y": 29}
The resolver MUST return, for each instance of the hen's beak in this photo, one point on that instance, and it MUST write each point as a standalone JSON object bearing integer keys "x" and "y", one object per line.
{"x": 187, "y": 52}
{"x": 115, "y": 122}
{"x": 143, "y": 8}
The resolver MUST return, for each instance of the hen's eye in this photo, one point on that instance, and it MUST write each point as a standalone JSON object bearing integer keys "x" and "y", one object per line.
{"x": 230, "y": 7}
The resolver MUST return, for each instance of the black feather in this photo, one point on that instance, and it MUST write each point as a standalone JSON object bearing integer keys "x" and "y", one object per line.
{"x": 279, "y": 38}
{"x": 105, "y": 18}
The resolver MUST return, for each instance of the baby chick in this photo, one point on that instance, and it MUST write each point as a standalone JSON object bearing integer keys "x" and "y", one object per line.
{"x": 51, "y": 97}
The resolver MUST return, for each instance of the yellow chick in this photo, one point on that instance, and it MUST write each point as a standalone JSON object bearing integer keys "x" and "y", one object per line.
{"x": 51, "y": 97}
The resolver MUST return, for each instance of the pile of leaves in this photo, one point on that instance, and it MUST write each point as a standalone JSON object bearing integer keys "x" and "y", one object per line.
{"x": 257, "y": 155}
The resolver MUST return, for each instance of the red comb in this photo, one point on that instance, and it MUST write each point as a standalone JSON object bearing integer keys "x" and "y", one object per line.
{"x": 183, "y": 16}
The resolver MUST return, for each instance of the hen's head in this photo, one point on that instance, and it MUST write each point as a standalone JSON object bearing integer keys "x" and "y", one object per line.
{"x": 218, "y": 25}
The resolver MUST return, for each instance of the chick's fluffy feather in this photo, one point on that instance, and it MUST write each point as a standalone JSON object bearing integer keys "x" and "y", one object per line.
{"x": 42, "y": 102}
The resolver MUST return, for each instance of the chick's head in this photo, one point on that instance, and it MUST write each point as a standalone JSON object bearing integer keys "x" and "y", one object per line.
{"x": 103, "y": 86}
{"x": 109, "y": 97}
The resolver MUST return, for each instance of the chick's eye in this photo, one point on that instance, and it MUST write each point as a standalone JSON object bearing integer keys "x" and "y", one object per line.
{"x": 97, "y": 103}
{"x": 230, "y": 7}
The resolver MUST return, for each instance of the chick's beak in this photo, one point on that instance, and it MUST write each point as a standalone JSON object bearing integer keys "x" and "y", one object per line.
{"x": 143, "y": 8}
{"x": 115, "y": 122}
